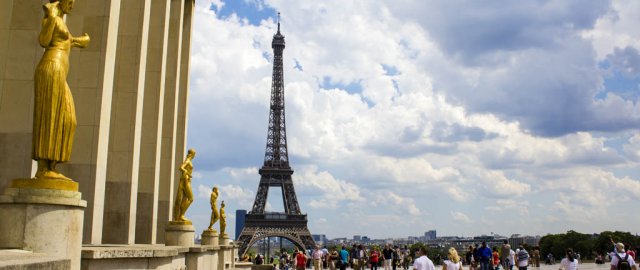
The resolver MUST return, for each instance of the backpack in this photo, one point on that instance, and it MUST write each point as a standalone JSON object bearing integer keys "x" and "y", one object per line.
{"x": 623, "y": 264}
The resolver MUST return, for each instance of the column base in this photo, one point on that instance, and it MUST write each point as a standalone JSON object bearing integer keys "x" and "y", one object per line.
{"x": 224, "y": 239}
{"x": 179, "y": 235}
{"x": 45, "y": 221}
{"x": 209, "y": 238}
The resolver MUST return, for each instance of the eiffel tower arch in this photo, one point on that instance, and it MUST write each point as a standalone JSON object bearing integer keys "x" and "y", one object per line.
{"x": 276, "y": 172}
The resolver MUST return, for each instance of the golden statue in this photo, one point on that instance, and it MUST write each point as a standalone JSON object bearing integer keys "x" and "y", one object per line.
{"x": 223, "y": 219}
{"x": 184, "y": 196}
{"x": 214, "y": 209}
{"x": 54, "y": 116}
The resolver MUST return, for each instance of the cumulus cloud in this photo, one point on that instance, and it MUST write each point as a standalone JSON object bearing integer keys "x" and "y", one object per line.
{"x": 392, "y": 117}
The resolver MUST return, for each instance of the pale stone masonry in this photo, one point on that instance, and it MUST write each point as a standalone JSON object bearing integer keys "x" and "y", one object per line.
{"x": 130, "y": 88}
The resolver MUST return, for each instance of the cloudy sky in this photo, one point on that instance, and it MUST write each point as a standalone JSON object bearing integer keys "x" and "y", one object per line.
{"x": 467, "y": 117}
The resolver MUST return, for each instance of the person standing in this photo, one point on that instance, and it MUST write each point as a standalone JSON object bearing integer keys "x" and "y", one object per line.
{"x": 344, "y": 258}
{"x": 495, "y": 258}
{"x": 422, "y": 262}
{"x": 453, "y": 261}
{"x": 569, "y": 262}
{"x": 396, "y": 256}
{"x": 536, "y": 257}
{"x": 373, "y": 258}
{"x": 621, "y": 260}
{"x": 468, "y": 257}
{"x": 301, "y": 261}
{"x": 523, "y": 258}
{"x": 505, "y": 250}
{"x": 333, "y": 259}
{"x": 317, "y": 258}
{"x": 387, "y": 256}
{"x": 484, "y": 256}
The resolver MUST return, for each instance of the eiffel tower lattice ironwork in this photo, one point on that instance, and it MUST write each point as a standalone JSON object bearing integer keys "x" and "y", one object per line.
{"x": 276, "y": 172}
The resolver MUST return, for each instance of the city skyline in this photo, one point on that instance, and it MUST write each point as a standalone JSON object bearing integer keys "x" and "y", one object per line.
{"x": 480, "y": 117}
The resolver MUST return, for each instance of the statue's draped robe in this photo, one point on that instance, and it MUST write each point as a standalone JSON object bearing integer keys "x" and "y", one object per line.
{"x": 54, "y": 120}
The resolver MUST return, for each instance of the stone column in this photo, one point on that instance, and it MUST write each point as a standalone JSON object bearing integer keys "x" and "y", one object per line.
{"x": 168, "y": 171}
{"x": 183, "y": 84}
{"x": 121, "y": 188}
{"x": 91, "y": 81}
{"x": 149, "y": 174}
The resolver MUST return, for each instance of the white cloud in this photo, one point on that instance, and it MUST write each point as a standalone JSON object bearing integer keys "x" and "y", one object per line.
{"x": 459, "y": 216}
{"x": 390, "y": 120}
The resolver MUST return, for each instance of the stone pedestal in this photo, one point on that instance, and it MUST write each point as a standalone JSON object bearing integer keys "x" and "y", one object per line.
{"x": 45, "y": 221}
{"x": 209, "y": 238}
{"x": 224, "y": 239}
{"x": 179, "y": 234}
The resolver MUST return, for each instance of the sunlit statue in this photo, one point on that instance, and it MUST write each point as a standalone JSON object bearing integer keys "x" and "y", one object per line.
{"x": 184, "y": 196}
{"x": 223, "y": 219}
{"x": 214, "y": 209}
{"x": 54, "y": 117}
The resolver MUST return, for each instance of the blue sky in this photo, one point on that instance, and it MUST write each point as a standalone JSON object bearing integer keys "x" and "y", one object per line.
{"x": 467, "y": 117}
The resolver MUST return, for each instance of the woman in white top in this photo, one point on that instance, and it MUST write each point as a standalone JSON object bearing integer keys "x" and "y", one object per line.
{"x": 569, "y": 262}
{"x": 453, "y": 263}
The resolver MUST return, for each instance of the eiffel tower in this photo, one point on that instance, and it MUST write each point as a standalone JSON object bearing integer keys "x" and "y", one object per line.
{"x": 276, "y": 172}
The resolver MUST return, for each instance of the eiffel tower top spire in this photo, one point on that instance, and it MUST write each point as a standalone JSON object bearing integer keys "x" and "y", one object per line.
{"x": 276, "y": 153}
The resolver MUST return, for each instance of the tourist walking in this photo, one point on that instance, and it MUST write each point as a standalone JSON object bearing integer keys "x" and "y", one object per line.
{"x": 484, "y": 256}
{"x": 301, "y": 260}
{"x": 569, "y": 262}
{"x": 505, "y": 251}
{"x": 387, "y": 256}
{"x": 373, "y": 258}
{"x": 523, "y": 258}
{"x": 333, "y": 259}
{"x": 495, "y": 258}
{"x": 536, "y": 257}
{"x": 422, "y": 262}
{"x": 317, "y": 258}
{"x": 468, "y": 257}
{"x": 453, "y": 261}
{"x": 622, "y": 260}
{"x": 396, "y": 257}
{"x": 344, "y": 258}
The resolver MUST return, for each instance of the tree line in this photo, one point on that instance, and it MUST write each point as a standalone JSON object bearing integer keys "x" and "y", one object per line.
{"x": 588, "y": 245}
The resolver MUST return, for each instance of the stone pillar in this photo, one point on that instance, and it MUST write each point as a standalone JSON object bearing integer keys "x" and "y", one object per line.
{"x": 180, "y": 235}
{"x": 19, "y": 55}
{"x": 121, "y": 189}
{"x": 209, "y": 238}
{"x": 43, "y": 221}
{"x": 168, "y": 156}
{"x": 183, "y": 84}
{"x": 91, "y": 81}
{"x": 149, "y": 174}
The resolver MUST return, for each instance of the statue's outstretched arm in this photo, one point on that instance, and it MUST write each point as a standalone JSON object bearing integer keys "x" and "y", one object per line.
{"x": 81, "y": 41}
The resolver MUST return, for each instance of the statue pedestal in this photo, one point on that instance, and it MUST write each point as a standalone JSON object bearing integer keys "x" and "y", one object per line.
{"x": 209, "y": 238}
{"x": 224, "y": 239}
{"x": 179, "y": 234}
{"x": 44, "y": 221}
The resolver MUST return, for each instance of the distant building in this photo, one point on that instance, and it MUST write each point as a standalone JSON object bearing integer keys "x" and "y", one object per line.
{"x": 320, "y": 239}
{"x": 430, "y": 235}
{"x": 240, "y": 222}
{"x": 357, "y": 238}
{"x": 366, "y": 239}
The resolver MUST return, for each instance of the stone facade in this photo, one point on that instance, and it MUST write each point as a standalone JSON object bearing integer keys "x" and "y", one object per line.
{"x": 130, "y": 88}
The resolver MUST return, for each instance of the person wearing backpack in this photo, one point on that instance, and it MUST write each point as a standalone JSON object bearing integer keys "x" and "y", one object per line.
{"x": 621, "y": 260}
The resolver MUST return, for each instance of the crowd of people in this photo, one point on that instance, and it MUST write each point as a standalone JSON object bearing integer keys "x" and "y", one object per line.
{"x": 478, "y": 257}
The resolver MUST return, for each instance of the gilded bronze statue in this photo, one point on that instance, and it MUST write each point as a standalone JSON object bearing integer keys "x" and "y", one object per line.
{"x": 54, "y": 116}
{"x": 223, "y": 219}
{"x": 184, "y": 196}
{"x": 214, "y": 209}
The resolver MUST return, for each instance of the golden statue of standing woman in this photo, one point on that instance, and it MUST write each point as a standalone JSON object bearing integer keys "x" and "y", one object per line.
{"x": 184, "y": 196}
{"x": 214, "y": 209}
{"x": 223, "y": 219}
{"x": 54, "y": 117}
